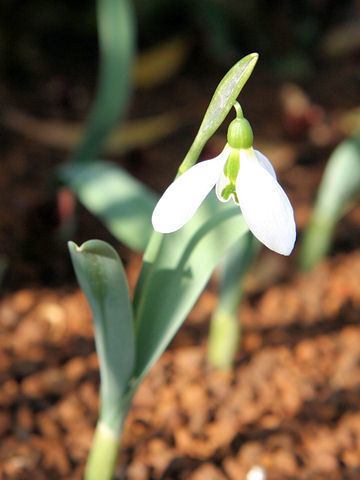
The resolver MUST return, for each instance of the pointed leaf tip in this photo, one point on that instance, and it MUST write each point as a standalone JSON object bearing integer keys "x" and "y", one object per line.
{"x": 220, "y": 105}
{"x": 101, "y": 276}
{"x": 95, "y": 247}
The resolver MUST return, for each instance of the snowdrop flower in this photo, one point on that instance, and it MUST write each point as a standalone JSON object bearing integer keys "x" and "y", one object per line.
{"x": 241, "y": 173}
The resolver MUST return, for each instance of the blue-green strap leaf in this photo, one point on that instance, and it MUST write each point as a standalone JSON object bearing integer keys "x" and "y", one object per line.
{"x": 101, "y": 276}
{"x": 120, "y": 201}
{"x": 341, "y": 178}
{"x": 339, "y": 186}
{"x": 116, "y": 33}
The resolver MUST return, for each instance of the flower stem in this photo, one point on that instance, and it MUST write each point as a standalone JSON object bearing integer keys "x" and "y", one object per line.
{"x": 224, "y": 338}
{"x": 316, "y": 241}
{"x": 225, "y": 328}
{"x": 103, "y": 454}
{"x": 151, "y": 253}
{"x": 238, "y": 109}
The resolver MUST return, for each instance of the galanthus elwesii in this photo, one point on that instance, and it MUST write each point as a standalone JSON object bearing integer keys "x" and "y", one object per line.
{"x": 240, "y": 173}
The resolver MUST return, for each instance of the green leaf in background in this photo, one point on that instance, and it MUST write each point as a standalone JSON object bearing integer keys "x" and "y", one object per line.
{"x": 102, "y": 278}
{"x": 120, "y": 201}
{"x": 116, "y": 32}
{"x": 137, "y": 133}
{"x": 221, "y": 103}
{"x": 339, "y": 185}
{"x": 225, "y": 327}
{"x": 161, "y": 62}
{"x": 174, "y": 276}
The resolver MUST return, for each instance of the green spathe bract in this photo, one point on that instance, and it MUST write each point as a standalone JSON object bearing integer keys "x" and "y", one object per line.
{"x": 220, "y": 105}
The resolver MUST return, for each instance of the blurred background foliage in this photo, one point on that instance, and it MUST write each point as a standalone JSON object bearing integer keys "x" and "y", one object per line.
{"x": 60, "y": 36}
{"x": 49, "y": 67}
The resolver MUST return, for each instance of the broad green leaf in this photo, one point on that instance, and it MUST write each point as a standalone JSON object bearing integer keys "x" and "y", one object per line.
{"x": 339, "y": 185}
{"x": 221, "y": 103}
{"x": 120, "y": 201}
{"x": 234, "y": 267}
{"x": 102, "y": 278}
{"x": 116, "y": 32}
{"x": 171, "y": 282}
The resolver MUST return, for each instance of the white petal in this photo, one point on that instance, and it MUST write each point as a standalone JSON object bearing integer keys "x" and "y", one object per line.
{"x": 184, "y": 196}
{"x": 265, "y": 162}
{"x": 264, "y": 204}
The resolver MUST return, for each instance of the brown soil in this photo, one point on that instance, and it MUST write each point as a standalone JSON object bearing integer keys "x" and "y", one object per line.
{"x": 292, "y": 401}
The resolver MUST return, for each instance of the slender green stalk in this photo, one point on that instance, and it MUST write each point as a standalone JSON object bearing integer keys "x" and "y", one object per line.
{"x": 151, "y": 253}
{"x": 337, "y": 192}
{"x": 224, "y": 338}
{"x": 106, "y": 444}
{"x": 103, "y": 454}
{"x": 225, "y": 328}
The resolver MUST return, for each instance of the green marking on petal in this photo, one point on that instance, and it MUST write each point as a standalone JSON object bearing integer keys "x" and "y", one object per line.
{"x": 228, "y": 191}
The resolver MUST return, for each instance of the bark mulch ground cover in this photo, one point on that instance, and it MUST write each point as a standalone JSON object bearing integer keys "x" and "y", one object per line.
{"x": 292, "y": 401}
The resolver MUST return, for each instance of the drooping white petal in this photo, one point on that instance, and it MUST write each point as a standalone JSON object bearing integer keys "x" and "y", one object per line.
{"x": 184, "y": 196}
{"x": 265, "y": 205}
{"x": 265, "y": 162}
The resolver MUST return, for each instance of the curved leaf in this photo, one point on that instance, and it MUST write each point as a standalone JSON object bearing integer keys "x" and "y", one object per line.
{"x": 116, "y": 32}
{"x": 339, "y": 185}
{"x": 170, "y": 285}
{"x": 120, "y": 201}
{"x": 101, "y": 276}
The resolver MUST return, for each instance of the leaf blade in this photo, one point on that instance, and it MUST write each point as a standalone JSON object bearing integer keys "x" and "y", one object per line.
{"x": 339, "y": 185}
{"x": 120, "y": 201}
{"x": 181, "y": 270}
{"x": 102, "y": 278}
{"x": 116, "y": 33}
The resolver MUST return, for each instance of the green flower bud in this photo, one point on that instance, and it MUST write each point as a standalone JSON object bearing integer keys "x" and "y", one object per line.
{"x": 240, "y": 134}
